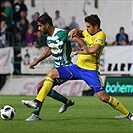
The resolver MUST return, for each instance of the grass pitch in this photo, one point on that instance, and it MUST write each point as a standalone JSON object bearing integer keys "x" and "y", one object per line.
{"x": 88, "y": 115}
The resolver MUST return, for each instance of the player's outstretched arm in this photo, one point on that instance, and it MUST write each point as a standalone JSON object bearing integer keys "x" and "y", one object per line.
{"x": 46, "y": 54}
{"x": 83, "y": 50}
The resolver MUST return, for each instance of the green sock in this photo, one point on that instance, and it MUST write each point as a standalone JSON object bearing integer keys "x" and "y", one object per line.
{"x": 55, "y": 95}
{"x": 36, "y": 112}
{"x": 38, "y": 109}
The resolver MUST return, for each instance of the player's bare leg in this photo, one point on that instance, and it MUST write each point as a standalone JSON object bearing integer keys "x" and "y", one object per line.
{"x": 103, "y": 96}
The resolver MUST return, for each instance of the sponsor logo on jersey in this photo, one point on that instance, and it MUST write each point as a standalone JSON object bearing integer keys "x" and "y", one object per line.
{"x": 99, "y": 40}
{"x": 55, "y": 48}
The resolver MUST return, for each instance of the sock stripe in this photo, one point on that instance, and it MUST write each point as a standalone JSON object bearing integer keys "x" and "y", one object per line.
{"x": 118, "y": 106}
{"x": 49, "y": 79}
{"x": 111, "y": 100}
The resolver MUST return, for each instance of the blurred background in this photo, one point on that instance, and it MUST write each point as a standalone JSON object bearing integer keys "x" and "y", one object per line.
{"x": 21, "y": 44}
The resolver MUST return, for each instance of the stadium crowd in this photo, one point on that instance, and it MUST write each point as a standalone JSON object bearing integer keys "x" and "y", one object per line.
{"x": 17, "y": 31}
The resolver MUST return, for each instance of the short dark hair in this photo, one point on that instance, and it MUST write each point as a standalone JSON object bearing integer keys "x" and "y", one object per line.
{"x": 93, "y": 20}
{"x": 45, "y": 18}
{"x": 121, "y": 28}
{"x": 57, "y": 11}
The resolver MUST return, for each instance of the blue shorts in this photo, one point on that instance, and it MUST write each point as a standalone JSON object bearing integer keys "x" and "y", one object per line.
{"x": 73, "y": 72}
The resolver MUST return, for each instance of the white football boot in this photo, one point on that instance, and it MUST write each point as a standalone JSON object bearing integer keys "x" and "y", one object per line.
{"x": 33, "y": 117}
{"x": 65, "y": 106}
{"x": 30, "y": 103}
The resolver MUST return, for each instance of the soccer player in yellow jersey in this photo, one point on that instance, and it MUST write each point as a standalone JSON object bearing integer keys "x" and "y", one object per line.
{"x": 86, "y": 68}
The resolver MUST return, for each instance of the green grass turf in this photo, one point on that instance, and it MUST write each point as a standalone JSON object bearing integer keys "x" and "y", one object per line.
{"x": 88, "y": 115}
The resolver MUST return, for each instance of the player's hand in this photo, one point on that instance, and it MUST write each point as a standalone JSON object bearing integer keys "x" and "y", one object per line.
{"x": 31, "y": 66}
{"x": 73, "y": 53}
{"x": 85, "y": 49}
{"x": 72, "y": 33}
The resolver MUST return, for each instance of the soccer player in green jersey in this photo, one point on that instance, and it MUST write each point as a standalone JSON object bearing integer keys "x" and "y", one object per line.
{"x": 59, "y": 46}
{"x": 86, "y": 68}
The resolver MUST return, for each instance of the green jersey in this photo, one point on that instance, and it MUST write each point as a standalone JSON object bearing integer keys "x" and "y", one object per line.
{"x": 60, "y": 45}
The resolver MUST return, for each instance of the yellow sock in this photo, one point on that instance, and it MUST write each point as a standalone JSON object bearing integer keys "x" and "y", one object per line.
{"x": 118, "y": 106}
{"x": 47, "y": 85}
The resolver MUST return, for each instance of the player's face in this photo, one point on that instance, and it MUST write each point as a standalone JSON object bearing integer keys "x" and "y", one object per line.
{"x": 91, "y": 29}
{"x": 42, "y": 27}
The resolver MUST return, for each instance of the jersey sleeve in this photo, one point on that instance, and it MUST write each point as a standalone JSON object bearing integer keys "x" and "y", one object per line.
{"x": 84, "y": 33}
{"x": 100, "y": 39}
{"x": 63, "y": 36}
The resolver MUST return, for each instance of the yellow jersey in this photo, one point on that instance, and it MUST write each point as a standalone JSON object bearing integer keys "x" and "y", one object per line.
{"x": 92, "y": 61}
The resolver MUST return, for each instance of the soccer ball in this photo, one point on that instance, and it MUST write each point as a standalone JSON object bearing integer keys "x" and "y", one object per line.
{"x": 7, "y": 112}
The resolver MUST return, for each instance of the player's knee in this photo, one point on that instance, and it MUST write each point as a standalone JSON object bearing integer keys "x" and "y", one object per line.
{"x": 53, "y": 74}
{"x": 104, "y": 98}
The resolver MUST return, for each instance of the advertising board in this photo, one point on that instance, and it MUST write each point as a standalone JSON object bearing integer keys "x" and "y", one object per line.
{"x": 119, "y": 86}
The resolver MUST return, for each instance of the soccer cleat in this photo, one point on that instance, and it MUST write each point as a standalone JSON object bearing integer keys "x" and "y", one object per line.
{"x": 120, "y": 117}
{"x": 33, "y": 117}
{"x": 30, "y": 103}
{"x": 130, "y": 116}
{"x": 65, "y": 106}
